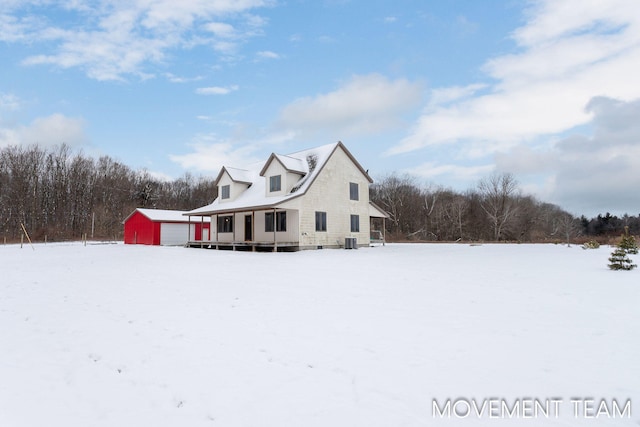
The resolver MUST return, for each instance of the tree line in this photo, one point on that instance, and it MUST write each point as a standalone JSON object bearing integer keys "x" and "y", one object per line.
{"x": 60, "y": 194}
{"x": 495, "y": 210}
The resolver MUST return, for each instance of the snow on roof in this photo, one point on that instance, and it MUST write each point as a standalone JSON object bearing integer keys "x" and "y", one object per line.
{"x": 165, "y": 215}
{"x": 240, "y": 175}
{"x": 293, "y": 164}
{"x": 308, "y": 162}
{"x": 376, "y": 211}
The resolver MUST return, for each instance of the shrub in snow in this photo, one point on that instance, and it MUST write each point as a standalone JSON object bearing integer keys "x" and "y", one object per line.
{"x": 591, "y": 244}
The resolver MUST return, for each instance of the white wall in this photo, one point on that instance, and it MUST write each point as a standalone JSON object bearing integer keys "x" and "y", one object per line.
{"x": 330, "y": 193}
{"x": 291, "y": 235}
{"x": 288, "y": 179}
{"x": 235, "y": 188}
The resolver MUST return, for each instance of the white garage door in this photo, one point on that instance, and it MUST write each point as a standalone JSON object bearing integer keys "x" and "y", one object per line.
{"x": 173, "y": 234}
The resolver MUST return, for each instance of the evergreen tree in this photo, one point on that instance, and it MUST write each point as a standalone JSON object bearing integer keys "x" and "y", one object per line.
{"x": 628, "y": 243}
{"x": 619, "y": 260}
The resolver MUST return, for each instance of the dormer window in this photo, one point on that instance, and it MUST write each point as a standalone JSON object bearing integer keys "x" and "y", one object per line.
{"x": 275, "y": 183}
{"x": 225, "y": 191}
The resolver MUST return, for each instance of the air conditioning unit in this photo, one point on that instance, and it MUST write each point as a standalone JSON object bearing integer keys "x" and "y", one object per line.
{"x": 350, "y": 243}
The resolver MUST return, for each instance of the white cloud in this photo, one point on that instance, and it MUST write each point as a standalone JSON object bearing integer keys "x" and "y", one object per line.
{"x": 442, "y": 96}
{"x": 267, "y": 54}
{"x": 216, "y": 90}
{"x": 110, "y": 40}
{"x": 160, "y": 176}
{"x": 55, "y": 129}
{"x": 569, "y": 52}
{"x": 588, "y": 174}
{"x": 221, "y": 29}
{"x": 433, "y": 171}
{"x": 363, "y": 105}
{"x": 9, "y": 102}
{"x": 177, "y": 79}
{"x": 209, "y": 154}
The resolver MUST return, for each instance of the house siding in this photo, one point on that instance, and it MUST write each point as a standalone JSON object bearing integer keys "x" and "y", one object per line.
{"x": 289, "y": 236}
{"x": 259, "y": 233}
{"x": 330, "y": 193}
{"x": 288, "y": 179}
{"x": 235, "y": 188}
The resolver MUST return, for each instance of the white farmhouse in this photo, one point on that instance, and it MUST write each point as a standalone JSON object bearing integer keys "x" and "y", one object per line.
{"x": 312, "y": 199}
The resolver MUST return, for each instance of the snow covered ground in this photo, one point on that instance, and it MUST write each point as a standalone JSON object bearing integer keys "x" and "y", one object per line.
{"x": 115, "y": 335}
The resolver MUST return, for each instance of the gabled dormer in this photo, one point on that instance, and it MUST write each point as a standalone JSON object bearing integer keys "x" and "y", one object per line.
{"x": 232, "y": 182}
{"x": 281, "y": 174}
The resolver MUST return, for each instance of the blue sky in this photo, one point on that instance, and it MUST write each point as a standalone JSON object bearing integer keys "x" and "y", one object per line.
{"x": 446, "y": 91}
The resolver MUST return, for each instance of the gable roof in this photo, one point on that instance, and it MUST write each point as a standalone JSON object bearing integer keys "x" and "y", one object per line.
{"x": 163, "y": 215}
{"x": 237, "y": 175}
{"x": 376, "y": 211}
{"x": 308, "y": 163}
{"x": 291, "y": 164}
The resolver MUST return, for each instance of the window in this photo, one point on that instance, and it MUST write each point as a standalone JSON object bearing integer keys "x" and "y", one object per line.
{"x": 280, "y": 221}
{"x": 353, "y": 191}
{"x": 225, "y": 191}
{"x": 225, "y": 224}
{"x": 321, "y": 221}
{"x": 275, "y": 183}
{"x": 355, "y": 223}
{"x": 268, "y": 222}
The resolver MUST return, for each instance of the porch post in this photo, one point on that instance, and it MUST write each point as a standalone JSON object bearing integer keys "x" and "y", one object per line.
{"x": 275, "y": 223}
{"x": 384, "y": 231}
{"x": 201, "y": 231}
{"x": 216, "y": 228}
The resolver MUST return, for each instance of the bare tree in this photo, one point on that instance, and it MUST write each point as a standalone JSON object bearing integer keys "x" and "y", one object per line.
{"x": 58, "y": 194}
{"x": 568, "y": 225}
{"x": 497, "y": 201}
{"x": 398, "y": 196}
{"x": 430, "y": 196}
{"x": 453, "y": 210}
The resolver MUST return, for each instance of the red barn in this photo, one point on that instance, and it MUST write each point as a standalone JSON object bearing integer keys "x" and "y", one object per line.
{"x": 164, "y": 227}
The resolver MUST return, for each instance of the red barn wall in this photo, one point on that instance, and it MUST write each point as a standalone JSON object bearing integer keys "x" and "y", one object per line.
{"x": 139, "y": 229}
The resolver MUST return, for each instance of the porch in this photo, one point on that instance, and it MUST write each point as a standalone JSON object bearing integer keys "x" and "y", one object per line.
{"x": 246, "y": 246}
{"x": 260, "y": 230}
